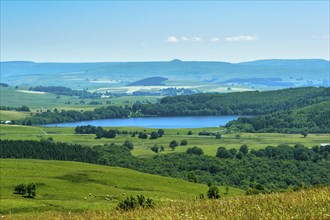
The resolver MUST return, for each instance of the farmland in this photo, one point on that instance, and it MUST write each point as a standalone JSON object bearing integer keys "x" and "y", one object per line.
{"x": 209, "y": 144}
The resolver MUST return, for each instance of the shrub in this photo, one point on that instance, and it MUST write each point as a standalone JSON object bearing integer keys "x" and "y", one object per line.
{"x": 195, "y": 150}
{"x": 184, "y": 143}
{"x": 20, "y": 189}
{"x": 143, "y": 135}
{"x": 129, "y": 144}
{"x": 132, "y": 203}
{"x": 213, "y": 192}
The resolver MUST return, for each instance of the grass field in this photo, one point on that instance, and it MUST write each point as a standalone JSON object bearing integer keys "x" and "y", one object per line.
{"x": 12, "y": 115}
{"x": 12, "y": 97}
{"x": 142, "y": 147}
{"x": 305, "y": 204}
{"x": 63, "y": 186}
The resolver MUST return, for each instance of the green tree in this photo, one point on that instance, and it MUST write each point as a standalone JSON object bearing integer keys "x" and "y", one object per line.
{"x": 222, "y": 152}
{"x": 213, "y": 192}
{"x": 129, "y": 144}
{"x": 31, "y": 190}
{"x": 161, "y": 132}
{"x": 189, "y": 132}
{"x": 20, "y": 188}
{"x": 154, "y": 135}
{"x": 194, "y": 150}
{"x": 143, "y": 135}
{"x": 155, "y": 148}
{"x": 304, "y": 133}
{"x": 244, "y": 149}
{"x": 174, "y": 144}
{"x": 183, "y": 143}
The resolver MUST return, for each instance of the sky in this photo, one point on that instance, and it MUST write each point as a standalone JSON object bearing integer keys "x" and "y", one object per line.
{"x": 97, "y": 31}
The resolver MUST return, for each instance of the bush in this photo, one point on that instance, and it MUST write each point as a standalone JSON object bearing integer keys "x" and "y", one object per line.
{"x": 184, "y": 143}
{"x": 143, "y": 135}
{"x": 129, "y": 144}
{"x": 213, "y": 192}
{"x": 174, "y": 144}
{"x": 132, "y": 203}
{"x": 189, "y": 132}
{"x": 20, "y": 189}
{"x": 154, "y": 135}
{"x": 195, "y": 150}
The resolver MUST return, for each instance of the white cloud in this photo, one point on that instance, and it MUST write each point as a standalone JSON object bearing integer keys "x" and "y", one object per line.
{"x": 242, "y": 38}
{"x": 196, "y": 39}
{"x": 184, "y": 38}
{"x": 172, "y": 39}
{"x": 214, "y": 39}
{"x": 326, "y": 36}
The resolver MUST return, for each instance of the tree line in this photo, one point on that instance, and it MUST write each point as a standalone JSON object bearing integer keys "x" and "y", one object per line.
{"x": 273, "y": 167}
{"x": 47, "y": 150}
{"x": 61, "y": 90}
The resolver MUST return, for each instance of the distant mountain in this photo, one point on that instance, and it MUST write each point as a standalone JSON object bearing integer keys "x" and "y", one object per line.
{"x": 260, "y": 73}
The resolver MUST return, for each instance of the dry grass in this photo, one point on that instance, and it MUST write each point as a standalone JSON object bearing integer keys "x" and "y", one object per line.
{"x": 305, "y": 204}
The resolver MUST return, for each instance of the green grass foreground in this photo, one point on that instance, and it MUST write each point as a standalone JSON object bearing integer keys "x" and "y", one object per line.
{"x": 76, "y": 187}
{"x": 304, "y": 204}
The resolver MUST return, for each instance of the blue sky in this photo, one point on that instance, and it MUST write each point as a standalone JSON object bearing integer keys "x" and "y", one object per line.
{"x": 86, "y": 31}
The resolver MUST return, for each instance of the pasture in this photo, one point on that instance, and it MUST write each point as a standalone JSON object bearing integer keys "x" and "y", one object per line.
{"x": 74, "y": 187}
{"x": 209, "y": 144}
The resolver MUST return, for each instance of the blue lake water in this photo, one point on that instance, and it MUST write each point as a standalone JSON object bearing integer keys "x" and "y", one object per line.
{"x": 156, "y": 122}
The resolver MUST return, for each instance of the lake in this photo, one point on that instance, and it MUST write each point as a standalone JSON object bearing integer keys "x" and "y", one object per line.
{"x": 156, "y": 122}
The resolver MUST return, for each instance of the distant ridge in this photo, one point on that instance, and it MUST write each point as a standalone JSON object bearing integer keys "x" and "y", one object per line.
{"x": 151, "y": 81}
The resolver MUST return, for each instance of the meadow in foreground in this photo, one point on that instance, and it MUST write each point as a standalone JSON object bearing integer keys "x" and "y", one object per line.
{"x": 304, "y": 204}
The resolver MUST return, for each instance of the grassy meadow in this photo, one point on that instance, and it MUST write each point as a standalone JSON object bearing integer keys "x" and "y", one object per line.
{"x": 43, "y": 101}
{"x": 75, "y": 187}
{"x": 209, "y": 144}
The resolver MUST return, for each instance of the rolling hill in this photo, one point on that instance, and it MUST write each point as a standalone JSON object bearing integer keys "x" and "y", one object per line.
{"x": 73, "y": 186}
{"x": 180, "y": 73}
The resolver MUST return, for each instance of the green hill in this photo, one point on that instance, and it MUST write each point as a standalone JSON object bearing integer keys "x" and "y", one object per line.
{"x": 73, "y": 186}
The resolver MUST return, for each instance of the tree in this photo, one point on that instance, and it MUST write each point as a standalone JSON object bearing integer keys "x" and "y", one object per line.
{"x": 239, "y": 155}
{"x": 155, "y": 148}
{"x": 154, "y": 135}
{"x": 222, "y": 152}
{"x": 189, "y": 132}
{"x": 304, "y": 133}
{"x": 244, "y": 149}
{"x": 161, "y": 132}
{"x": 24, "y": 108}
{"x": 218, "y": 136}
{"x": 194, "y": 150}
{"x": 31, "y": 190}
{"x": 232, "y": 152}
{"x": 162, "y": 148}
{"x": 143, "y": 135}
{"x": 183, "y": 143}
{"x": 213, "y": 192}
{"x": 174, "y": 144}
{"x": 129, "y": 144}
{"x": 20, "y": 188}
{"x": 110, "y": 134}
